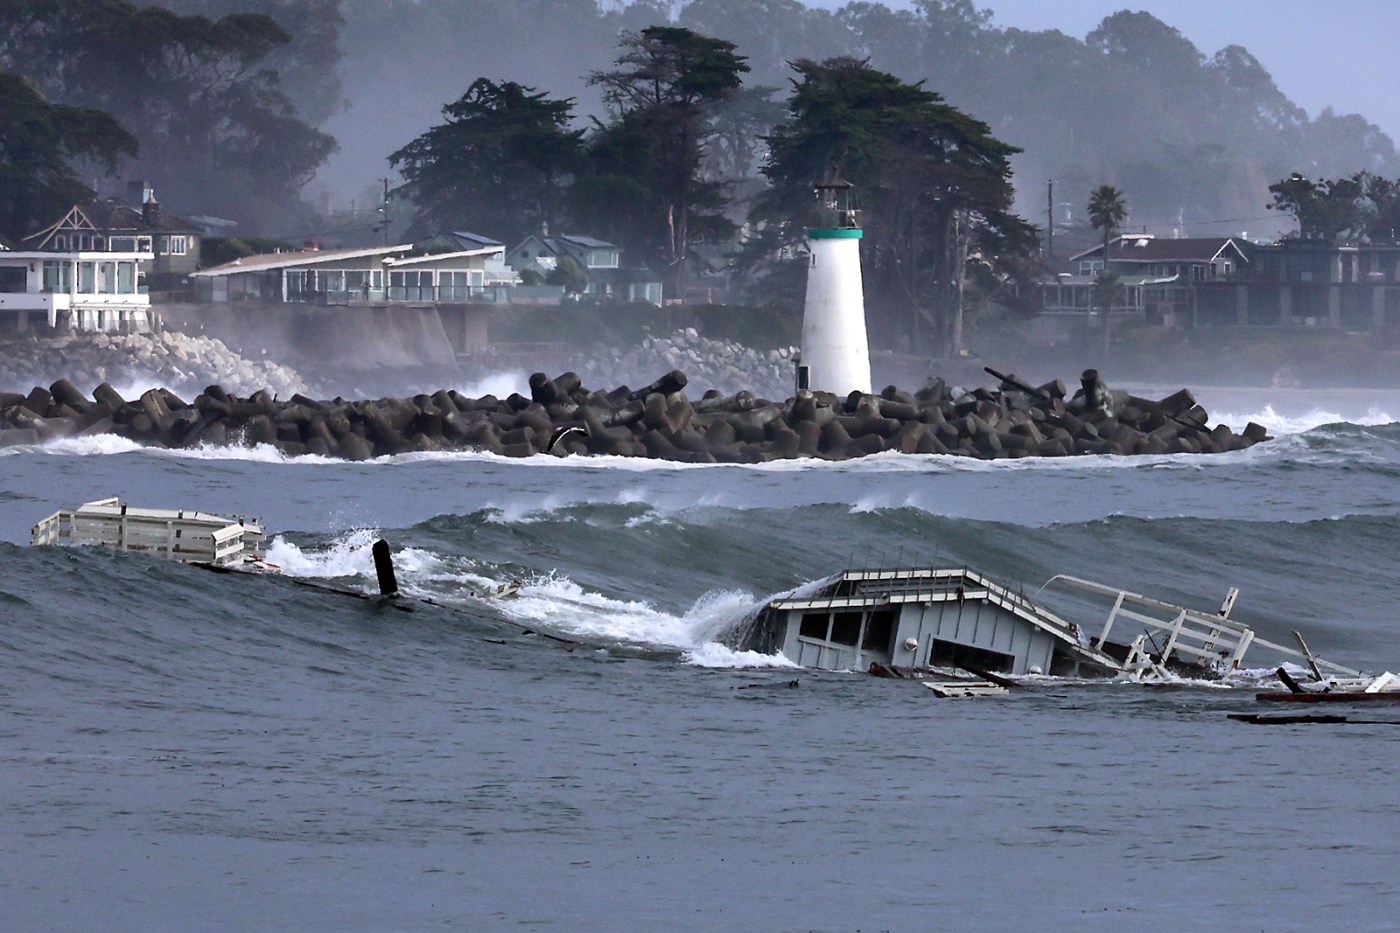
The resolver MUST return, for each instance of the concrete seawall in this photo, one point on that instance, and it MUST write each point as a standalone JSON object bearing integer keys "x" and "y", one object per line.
{"x": 356, "y": 338}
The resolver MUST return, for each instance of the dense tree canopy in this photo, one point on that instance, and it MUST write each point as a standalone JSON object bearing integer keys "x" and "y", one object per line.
{"x": 497, "y": 166}
{"x": 39, "y": 144}
{"x": 1362, "y": 206}
{"x": 217, "y": 133}
{"x": 663, "y": 97}
{"x": 306, "y": 65}
{"x": 934, "y": 185}
{"x": 1197, "y": 135}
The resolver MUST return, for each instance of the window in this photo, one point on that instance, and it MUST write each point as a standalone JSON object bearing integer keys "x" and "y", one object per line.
{"x": 122, "y": 244}
{"x": 845, "y": 628}
{"x": 58, "y": 276}
{"x": 453, "y": 286}
{"x": 60, "y": 243}
{"x": 296, "y": 284}
{"x": 952, "y": 654}
{"x": 13, "y": 279}
{"x": 106, "y": 278}
{"x": 87, "y": 278}
{"x": 814, "y": 625}
{"x": 878, "y": 630}
{"x": 179, "y": 245}
{"x": 126, "y": 278}
{"x": 411, "y": 286}
{"x": 143, "y": 244}
{"x": 162, "y": 244}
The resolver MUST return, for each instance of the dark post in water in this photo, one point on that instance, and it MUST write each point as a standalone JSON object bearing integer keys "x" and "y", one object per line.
{"x": 384, "y": 567}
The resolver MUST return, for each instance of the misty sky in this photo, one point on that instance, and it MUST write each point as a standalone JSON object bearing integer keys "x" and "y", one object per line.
{"x": 1320, "y": 52}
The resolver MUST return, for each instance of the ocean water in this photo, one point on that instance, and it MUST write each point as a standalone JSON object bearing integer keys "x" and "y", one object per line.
{"x": 186, "y": 751}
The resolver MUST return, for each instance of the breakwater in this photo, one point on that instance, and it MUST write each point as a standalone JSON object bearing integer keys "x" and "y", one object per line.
{"x": 561, "y": 416}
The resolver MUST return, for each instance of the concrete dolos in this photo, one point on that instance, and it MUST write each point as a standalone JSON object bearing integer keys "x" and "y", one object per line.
{"x": 563, "y": 417}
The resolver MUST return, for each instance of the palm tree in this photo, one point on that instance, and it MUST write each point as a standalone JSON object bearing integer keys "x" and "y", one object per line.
{"x": 1107, "y": 210}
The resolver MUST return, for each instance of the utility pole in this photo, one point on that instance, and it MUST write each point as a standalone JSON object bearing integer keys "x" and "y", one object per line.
{"x": 1050, "y": 220}
{"x": 382, "y": 226}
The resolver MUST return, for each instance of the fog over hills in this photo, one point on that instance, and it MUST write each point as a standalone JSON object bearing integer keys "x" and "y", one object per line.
{"x": 1196, "y": 135}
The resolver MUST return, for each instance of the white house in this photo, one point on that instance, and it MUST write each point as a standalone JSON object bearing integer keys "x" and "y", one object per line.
{"x": 402, "y": 273}
{"x": 81, "y": 290}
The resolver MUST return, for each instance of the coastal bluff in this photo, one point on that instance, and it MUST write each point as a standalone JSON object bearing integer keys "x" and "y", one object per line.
{"x": 561, "y": 417}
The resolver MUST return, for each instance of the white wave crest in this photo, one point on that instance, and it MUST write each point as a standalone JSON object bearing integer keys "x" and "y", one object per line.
{"x": 549, "y": 602}
{"x": 561, "y": 605}
{"x": 500, "y": 384}
{"x": 96, "y": 445}
{"x": 713, "y": 654}
{"x": 349, "y": 556}
{"x": 1278, "y": 423}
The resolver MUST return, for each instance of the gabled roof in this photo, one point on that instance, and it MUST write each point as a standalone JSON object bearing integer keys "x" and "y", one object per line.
{"x": 587, "y": 242}
{"x": 113, "y": 217}
{"x": 558, "y": 245}
{"x": 267, "y": 262}
{"x": 472, "y": 240}
{"x": 1145, "y": 248}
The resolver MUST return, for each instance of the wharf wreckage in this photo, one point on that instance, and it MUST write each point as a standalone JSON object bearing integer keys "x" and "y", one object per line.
{"x": 183, "y": 535}
{"x": 953, "y": 629}
{"x": 562, "y": 417}
{"x": 941, "y": 625}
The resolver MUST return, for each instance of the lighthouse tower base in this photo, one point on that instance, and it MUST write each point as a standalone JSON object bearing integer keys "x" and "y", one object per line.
{"x": 835, "y": 350}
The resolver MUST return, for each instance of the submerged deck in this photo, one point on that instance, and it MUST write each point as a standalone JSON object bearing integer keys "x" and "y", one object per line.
{"x": 958, "y": 618}
{"x": 175, "y": 534}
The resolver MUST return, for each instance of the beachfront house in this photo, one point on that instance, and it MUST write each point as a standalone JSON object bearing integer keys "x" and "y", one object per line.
{"x": 436, "y": 271}
{"x": 137, "y": 225}
{"x": 1159, "y": 276}
{"x": 84, "y": 288}
{"x": 599, "y": 261}
{"x": 448, "y": 282}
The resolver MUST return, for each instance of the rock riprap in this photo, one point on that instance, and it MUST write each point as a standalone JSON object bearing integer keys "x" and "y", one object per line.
{"x": 183, "y": 362}
{"x": 561, "y": 416}
{"x": 726, "y": 365}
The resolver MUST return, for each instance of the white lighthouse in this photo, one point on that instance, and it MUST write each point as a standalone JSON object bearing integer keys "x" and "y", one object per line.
{"x": 835, "y": 351}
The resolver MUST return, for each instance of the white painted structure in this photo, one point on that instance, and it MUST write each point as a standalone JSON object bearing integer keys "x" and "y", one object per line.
{"x": 175, "y": 534}
{"x": 83, "y": 290}
{"x": 368, "y": 275}
{"x": 835, "y": 348}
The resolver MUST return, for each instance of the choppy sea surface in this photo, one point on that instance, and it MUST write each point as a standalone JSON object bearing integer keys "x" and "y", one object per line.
{"x": 186, "y": 751}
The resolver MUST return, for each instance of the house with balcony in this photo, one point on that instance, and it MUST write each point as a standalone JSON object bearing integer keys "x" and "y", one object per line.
{"x": 136, "y": 225}
{"x": 1315, "y": 283}
{"x": 451, "y": 280}
{"x": 600, "y": 262}
{"x": 441, "y": 270}
{"x": 83, "y": 289}
{"x": 1162, "y": 277}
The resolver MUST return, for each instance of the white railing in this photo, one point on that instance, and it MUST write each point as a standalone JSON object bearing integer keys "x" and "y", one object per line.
{"x": 1166, "y": 631}
{"x": 173, "y": 534}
